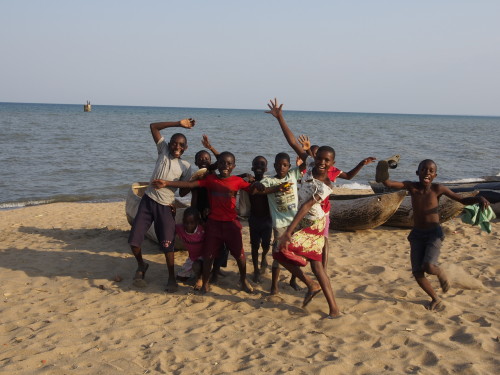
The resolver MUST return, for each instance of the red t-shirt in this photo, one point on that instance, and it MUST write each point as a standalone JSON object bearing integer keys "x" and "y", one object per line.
{"x": 222, "y": 195}
{"x": 333, "y": 173}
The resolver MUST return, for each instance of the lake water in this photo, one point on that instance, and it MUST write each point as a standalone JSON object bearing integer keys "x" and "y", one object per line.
{"x": 56, "y": 152}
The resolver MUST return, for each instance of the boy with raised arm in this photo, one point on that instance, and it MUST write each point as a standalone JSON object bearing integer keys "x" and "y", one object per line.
{"x": 157, "y": 205}
{"x": 426, "y": 236}
{"x": 223, "y": 226}
{"x": 303, "y": 240}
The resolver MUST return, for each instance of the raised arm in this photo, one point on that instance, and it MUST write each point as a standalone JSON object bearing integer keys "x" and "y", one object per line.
{"x": 483, "y": 202}
{"x": 155, "y": 127}
{"x": 206, "y": 143}
{"x": 306, "y": 144}
{"x": 353, "y": 172}
{"x": 277, "y": 112}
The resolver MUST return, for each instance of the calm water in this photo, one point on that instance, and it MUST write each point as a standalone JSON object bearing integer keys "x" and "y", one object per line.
{"x": 51, "y": 152}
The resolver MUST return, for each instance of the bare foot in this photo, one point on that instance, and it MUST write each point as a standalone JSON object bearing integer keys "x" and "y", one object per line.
{"x": 434, "y": 305}
{"x": 246, "y": 287}
{"x": 141, "y": 271}
{"x": 333, "y": 316}
{"x": 172, "y": 285}
{"x": 263, "y": 265}
{"x": 256, "y": 277}
{"x": 310, "y": 294}
{"x": 443, "y": 281}
{"x": 274, "y": 291}
{"x": 198, "y": 284}
{"x": 294, "y": 285}
{"x": 205, "y": 288}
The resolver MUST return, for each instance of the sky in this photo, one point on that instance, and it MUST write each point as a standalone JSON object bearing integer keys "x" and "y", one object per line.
{"x": 394, "y": 56}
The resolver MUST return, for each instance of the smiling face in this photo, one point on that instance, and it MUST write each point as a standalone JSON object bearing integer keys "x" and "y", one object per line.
{"x": 202, "y": 159}
{"x": 426, "y": 172}
{"x": 323, "y": 160}
{"x": 225, "y": 164}
{"x": 177, "y": 145}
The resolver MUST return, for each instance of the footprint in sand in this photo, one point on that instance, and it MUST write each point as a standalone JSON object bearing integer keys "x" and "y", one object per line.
{"x": 374, "y": 270}
{"x": 477, "y": 319}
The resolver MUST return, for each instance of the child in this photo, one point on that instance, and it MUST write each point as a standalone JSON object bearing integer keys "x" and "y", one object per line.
{"x": 192, "y": 234}
{"x": 281, "y": 193}
{"x": 333, "y": 173}
{"x": 426, "y": 236}
{"x": 223, "y": 226}
{"x": 259, "y": 222}
{"x": 303, "y": 240}
{"x": 157, "y": 205}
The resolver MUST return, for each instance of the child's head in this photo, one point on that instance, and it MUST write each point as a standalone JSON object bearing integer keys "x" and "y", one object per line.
{"x": 202, "y": 159}
{"x": 177, "y": 145}
{"x": 427, "y": 171}
{"x": 324, "y": 159}
{"x": 282, "y": 164}
{"x": 226, "y": 163}
{"x": 259, "y": 165}
{"x": 190, "y": 219}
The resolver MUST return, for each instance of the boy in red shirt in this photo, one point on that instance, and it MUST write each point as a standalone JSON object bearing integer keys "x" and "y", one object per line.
{"x": 223, "y": 226}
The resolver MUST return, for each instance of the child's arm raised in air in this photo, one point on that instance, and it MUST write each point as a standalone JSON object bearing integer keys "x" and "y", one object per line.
{"x": 277, "y": 112}
{"x": 353, "y": 172}
{"x": 483, "y": 202}
{"x": 158, "y": 184}
{"x": 155, "y": 127}
{"x": 306, "y": 144}
{"x": 206, "y": 143}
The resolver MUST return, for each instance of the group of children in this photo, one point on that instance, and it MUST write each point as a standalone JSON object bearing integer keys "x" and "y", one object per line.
{"x": 292, "y": 206}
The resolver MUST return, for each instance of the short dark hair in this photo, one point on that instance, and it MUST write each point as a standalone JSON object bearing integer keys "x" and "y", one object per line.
{"x": 327, "y": 149}
{"x": 425, "y": 161}
{"x": 259, "y": 157}
{"x": 176, "y": 135}
{"x": 281, "y": 156}
{"x": 191, "y": 211}
{"x": 199, "y": 153}
{"x": 226, "y": 153}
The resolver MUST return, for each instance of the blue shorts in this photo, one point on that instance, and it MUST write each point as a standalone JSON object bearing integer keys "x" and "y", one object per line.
{"x": 162, "y": 216}
{"x": 425, "y": 247}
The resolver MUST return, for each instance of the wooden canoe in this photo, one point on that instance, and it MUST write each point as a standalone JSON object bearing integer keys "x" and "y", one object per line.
{"x": 134, "y": 196}
{"x": 364, "y": 213}
{"x": 448, "y": 209}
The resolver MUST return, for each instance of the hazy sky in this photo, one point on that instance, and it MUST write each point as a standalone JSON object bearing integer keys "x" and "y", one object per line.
{"x": 436, "y": 57}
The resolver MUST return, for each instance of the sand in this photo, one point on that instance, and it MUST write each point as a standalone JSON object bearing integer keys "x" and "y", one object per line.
{"x": 62, "y": 311}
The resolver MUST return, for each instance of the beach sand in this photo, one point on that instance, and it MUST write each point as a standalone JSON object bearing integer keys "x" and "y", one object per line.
{"x": 62, "y": 311}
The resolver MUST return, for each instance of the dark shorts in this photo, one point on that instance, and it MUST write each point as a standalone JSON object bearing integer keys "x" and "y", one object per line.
{"x": 425, "y": 247}
{"x": 261, "y": 229}
{"x": 219, "y": 233}
{"x": 162, "y": 216}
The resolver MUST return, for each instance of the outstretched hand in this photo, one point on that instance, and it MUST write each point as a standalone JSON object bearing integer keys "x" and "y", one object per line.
{"x": 368, "y": 160}
{"x": 159, "y": 184}
{"x": 187, "y": 123}
{"x": 205, "y": 142}
{"x": 304, "y": 142}
{"x": 483, "y": 203}
{"x": 275, "y": 110}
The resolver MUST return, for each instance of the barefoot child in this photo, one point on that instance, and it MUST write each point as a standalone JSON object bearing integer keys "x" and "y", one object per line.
{"x": 157, "y": 205}
{"x": 426, "y": 236}
{"x": 303, "y": 240}
{"x": 192, "y": 234}
{"x": 259, "y": 221}
{"x": 281, "y": 193}
{"x": 223, "y": 226}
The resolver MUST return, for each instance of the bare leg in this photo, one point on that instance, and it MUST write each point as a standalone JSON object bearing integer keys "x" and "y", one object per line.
{"x": 171, "y": 283}
{"x": 275, "y": 275}
{"x": 325, "y": 254}
{"x": 427, "y": 288}
{"x": 242, "y": 267}
{"x": 207, "y": 266}
{"x": 264, "y": 264}
{"x": 441, "y": 275}
{"x": 313, "y": 287}
{"x": 293, "y": 283}
{"x": 255, "y": 262}
{"x": 197, "y": 269}
{"x": 324, "y": 281}
{"x": 142, "y": 266}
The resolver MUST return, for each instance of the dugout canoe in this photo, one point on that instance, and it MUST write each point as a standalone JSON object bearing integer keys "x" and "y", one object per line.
{"x": 448, "y": 209}
{"x": 366, "y": 212}
{"x": 134, "y": 195}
